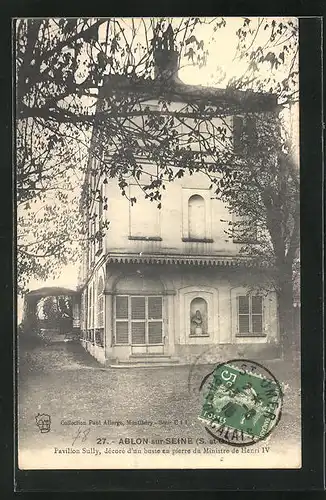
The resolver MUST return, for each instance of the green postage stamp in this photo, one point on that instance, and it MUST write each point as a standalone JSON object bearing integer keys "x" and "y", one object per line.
{"x": 243, "y": 401}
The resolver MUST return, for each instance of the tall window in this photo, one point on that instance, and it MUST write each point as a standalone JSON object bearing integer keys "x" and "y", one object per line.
{"x": 83, "y": 313}
{"x": 99, "y": 330}
{"x": 100, "y": 304}
{"x": 196, "y": 217}
{"x": 144, "y": 215}
{"x": 90, "y": 312}
{"x": 138, "y": 319}
{"x": 250, "y": 315}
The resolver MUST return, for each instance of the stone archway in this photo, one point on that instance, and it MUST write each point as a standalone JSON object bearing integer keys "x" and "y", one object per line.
{"x": 59, "y": 315}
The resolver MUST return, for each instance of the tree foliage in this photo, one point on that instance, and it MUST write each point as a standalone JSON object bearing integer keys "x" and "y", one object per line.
{"x": 261, "y": 189}
{"x": 61, "y": 65}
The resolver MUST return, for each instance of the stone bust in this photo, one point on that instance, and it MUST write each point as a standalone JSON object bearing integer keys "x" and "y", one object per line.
{"x": 197, "y": 322}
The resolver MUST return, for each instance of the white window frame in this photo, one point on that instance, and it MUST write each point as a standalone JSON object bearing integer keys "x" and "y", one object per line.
{"x": 129, "y": 320}
{"x": 250, "y": 333}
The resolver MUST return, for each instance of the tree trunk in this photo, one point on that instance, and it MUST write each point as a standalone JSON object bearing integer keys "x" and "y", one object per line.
{"x": 288, "y": 338}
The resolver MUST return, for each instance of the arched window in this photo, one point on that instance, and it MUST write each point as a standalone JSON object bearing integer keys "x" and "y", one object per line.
{"x": 198, "y": 317}
{"x": 196, "y": 216}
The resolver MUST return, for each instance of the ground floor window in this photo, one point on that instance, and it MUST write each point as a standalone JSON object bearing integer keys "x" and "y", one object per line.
{"x": 250, "y": 315}
{"x": 99, "y": 330}
{"x": 138, "y": 319}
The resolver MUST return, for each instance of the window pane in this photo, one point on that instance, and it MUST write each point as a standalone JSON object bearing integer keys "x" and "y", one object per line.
{"x": 138, "y": 307}
{"x": 122, "y": 307}
{"x": 257, "y": 323}
{"x": 257, "y": 304}
{"x": 154, "y": 307}
{"x": 155, "y": 332}
{"x": 138, "y": 333}
{"x": 243, "y": 323}
{"x": 243, "y": 304}
{"x": 121, "y": 332}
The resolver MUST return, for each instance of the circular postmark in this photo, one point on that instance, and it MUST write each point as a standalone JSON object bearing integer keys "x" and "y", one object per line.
{"x": 242, "y": 402}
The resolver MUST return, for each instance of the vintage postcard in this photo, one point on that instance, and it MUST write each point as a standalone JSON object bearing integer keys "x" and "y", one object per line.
{"x": 158, "y": 216}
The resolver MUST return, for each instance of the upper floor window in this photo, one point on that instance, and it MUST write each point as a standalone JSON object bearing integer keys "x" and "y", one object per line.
{"x": 196, "y": 217}
{"x": 144, "y": 219}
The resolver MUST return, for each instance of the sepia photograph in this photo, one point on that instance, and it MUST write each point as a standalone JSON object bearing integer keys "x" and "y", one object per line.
{"x": 158, "y": 243}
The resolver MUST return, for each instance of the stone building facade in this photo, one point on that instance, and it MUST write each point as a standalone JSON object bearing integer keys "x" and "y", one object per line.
{"x": 167, "y": 285}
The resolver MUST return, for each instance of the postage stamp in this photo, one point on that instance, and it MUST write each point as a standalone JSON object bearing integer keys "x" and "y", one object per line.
{"x": 242, "y": 402}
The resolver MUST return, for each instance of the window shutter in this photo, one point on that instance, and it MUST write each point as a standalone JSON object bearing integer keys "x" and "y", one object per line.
{"x": 138, "y": 319}
{"x": 122, "y": 332}
{"x": 154, "y": 307}
{"x": 243, "y": 304}
{"x": 243, "y": 314}
{"x": 137, "y": 307}
{"x": 250, "y": 314}
{"x": 243, "y": 323}
{"x": 138, "y": 332}
{"x": 257, "y": 304}
{"x": 121, "y": 307}
{"x": 257, "y": 323}
{"x": 155, "y": 332}
{"x": 257, "y": 314}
